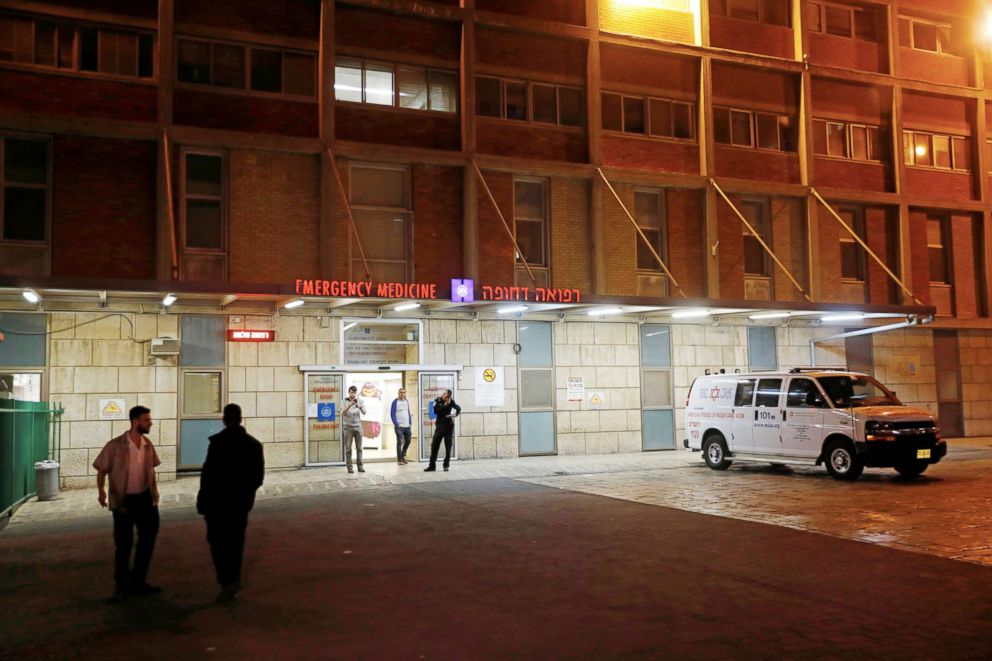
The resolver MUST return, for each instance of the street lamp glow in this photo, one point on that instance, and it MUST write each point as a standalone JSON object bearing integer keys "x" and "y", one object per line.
{"x": 986, "y": 31}
{"x": 602, "y": 312}
{"x": 690, "y": 314}
{"x": 406, "y": 306}
{"x": 295, "y": 303}
{"x": 31, "y": 296}
{"x": 844, "y": 316}
{"x": 512, "y": 309}
{"x": 168, "y": 300}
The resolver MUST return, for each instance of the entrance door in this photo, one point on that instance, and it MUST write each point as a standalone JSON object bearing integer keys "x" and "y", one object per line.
{"x": 432, "y": 386}
{"x": 768, "y": 417}
{"x": 323, "y": 444}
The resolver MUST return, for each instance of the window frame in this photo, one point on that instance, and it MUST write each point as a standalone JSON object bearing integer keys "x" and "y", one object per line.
{"x": 753, "y": 129}
{"x": 848, "y": 139}
{"x": 47, "y": 187}
{"x": 944, "y": 246}
{"x": 407, "y": 211}
{"x": 911, "y": 134}
{"x": 764, "y": 227}
{"x": 646, "y": 101}
{"x": 937, "y": 25}
{"x": 821, "y": 26}
{"x": 846, "y": 239}
{"x": 223, "y": 198}
{"x": 247, "y": 89}
{"x": 662, "y": 228}
{"x": 545, "y": 221}
{"x": 529, "y": 95}
{"x": 762, "y": 12}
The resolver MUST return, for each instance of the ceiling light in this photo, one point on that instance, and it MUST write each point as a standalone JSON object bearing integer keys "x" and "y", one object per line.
{"x": 295, "y": 303}
{"x": 348, "y": 327}
{"x": 31, "y": 296}
{"x": 602, "y": 312}
{"x": 690, "y": 314}
{"x": 512, "y": 309}
{"x": 168, "y": 300}
{"x": 770, "y": 315}
{"x": 844, "y": 316}
{"x": 406, "y": 306}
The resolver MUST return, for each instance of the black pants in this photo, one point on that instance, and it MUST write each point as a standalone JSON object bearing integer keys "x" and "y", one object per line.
{"x": 440, "y": 434}
{"x": 226, "y": 536}
{"x": 138, "y": 512}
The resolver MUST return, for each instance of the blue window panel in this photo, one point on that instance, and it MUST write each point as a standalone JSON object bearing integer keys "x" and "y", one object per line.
{"x": 194, "y": 439}
{"x": 656, "y": 345}
{"x": 18, "y": 349}
{"x": 762, "y": 350}
{"x": 658, "y": 430}
{"x": 203, "y": 340}
{"x": 536, "y": 347}
{"x": 537, "y": 433}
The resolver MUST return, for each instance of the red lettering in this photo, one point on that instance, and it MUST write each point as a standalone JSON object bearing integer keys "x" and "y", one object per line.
{"x": 432, "y": 291}
{"x": 380, "y": 291}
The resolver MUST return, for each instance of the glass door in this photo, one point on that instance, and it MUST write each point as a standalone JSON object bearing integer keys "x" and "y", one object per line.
{"x": 433, "y": 386}
{"x": 323, "y": 444}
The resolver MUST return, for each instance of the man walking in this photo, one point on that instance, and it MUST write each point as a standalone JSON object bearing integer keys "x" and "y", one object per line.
{"x": 402, "y": 423}
{"x": 232, "y": 473}
{"x": 352, "y": 426}
{"x": 130, "y": 461}
{"x": 445, "y": 412}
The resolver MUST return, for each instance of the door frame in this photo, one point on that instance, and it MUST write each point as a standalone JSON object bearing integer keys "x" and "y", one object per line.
{"x": 425, "y": 448}
{"x": 307, "y": 417}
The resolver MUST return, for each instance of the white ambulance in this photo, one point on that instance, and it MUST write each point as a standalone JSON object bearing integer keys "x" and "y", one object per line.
{"x": 809, "y": 416}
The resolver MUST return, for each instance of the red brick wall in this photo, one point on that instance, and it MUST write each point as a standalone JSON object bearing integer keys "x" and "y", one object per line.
{"x": 68, "y": 95}
{"x": 103, "y": 207}
{"x": 628, "y": 65}
{"x": 745, "y": 163}
{"x": 571, "y": 234}
{"x": 367, "y": 123}
{"x": 789, "y": 244}
{"x": 924, "y": 111}
{"x": 649, "y": 154}
{"x": 830, "y": 232}
{"x": 273, "y": 216}
{"x": 845, "y": 53}
{"x": 931, "y": 67}
{"x": 881, "y": 231}
{"x": 751, "y": 36}
{"x": 508, "y": 138}
{"x": 865, "y": 103}
{"x": 563, "y": 11}
{"x": 935, "y": 183}
{"x": 857, "y": 175}
{"x": 619, "y": 243}
{"x": 394, "y": 33}
{"x": 342, "y": 227}
{"x": 240, "y": 112}
{"x": 291, "y": 18}
{"x": 437, "y": 224}
{"x": 495, "y": 247}
{"x": 966, "y": 289}
{"x": 686, "y": 250}
{"x": 920, "y": 255}
{"x": 748, "y": 87}
{"x": 539, "y": 55}
{"x": 945, "y": 7}
{"x": 131, "y": 8}
{"x": 731, "y": 250}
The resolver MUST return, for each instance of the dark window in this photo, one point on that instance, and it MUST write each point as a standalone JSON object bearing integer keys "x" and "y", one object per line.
{"x": 786, "y": 134}
{"x": 767, "y": 128}
{"x": 67, "y": 46}
{"x": 937, "y": 247}
{"x": 755, "y": 260}
{"x": 803, "y": 394}
{"x": 820, "y": 136}
{"x": 768, "y": 392}
{"x": 682, "y": 121}
{"x": 515, "y": 96}
{"x": 204, "y": 208}
{"x": 571, "y": 108}
{"x": 633, "y": 114}
{"x": 193, "y": 62}
{"x": 876, "y": 144}
{"x": 852, "y": 258}
{"x": 721, "y": 125}
{"x": 44, "y": 43}
{"x": 299, "y": 73}
{"x": 266, "y": 70}
{"x": 962, "y": 153}
{"x": 228, "y": 66}
{"x": 24, "y": 179}
{"x": 648, "y": 211}
{"x": 838, "y": 21}
{"x": 745, "y": 393}
{"x": 660, "y": 112}
{"x": 529, "y": 217}
{"x": 776, "y": 12}
{"x": 88, "y": 51}
{"x": 837, "y": 139}
{"x": 545, "y": 102}
{"x": 814, "y": 17}
{"x": 744, "y": 9}
{"x": 864, "y": 25}
{"x": 488, "y": 98}
{"x": 740, "y": 128}
{"x": 613, "y": 112}
{"x": 925, "y": 36}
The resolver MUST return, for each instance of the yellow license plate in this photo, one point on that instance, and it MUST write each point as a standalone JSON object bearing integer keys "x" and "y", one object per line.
{"x": 923, "y": 454}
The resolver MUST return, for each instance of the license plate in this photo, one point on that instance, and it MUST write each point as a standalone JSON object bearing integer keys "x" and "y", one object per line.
{"x": 923, "y": 454}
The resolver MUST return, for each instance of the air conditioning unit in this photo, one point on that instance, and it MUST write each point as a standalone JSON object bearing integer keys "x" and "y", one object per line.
{"x": 164, "y": 346}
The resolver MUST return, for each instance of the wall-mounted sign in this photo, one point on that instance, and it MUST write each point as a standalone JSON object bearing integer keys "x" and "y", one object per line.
{"x": 490, "y": 389}
{"x": 244, "y": 335}
{"x": 113, "y": 409}
{"x": 462, "y": 291}
{"x": 366, "y": 289}
{"x": 536, "y": 295}
{"x": 597, "y": 399}
{"x": 576, "y": 389}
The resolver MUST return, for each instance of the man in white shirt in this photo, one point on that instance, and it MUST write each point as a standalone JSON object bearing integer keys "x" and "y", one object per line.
{"x": 402, "y": 417}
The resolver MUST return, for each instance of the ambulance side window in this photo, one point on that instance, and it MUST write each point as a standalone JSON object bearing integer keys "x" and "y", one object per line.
{"x": 768, "y": 392}
{"x": 745, "y": 392}
{"x": 803, "y": 393}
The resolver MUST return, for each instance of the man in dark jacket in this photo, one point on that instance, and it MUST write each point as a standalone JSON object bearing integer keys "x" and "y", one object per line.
{"x": 445, "y": 412}
{"x": 233, "y": 471}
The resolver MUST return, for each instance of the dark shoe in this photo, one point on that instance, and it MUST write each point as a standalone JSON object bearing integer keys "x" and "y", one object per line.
{"x": 445, "y": 469}
{"x": 144, "y": 589}
{"x": 228, "y": 593}
{"x": 120, "y": 593}
{"x": 430, "y": 469}
{"x": 361, "y": 469}
{"x": 350, "y": 469}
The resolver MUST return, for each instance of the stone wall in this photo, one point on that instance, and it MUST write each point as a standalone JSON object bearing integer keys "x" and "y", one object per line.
{"x": 976, "y": 381}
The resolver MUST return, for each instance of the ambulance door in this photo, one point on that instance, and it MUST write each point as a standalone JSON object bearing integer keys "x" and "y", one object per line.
{"x": 802, "y": 429}
{"x": 767, "y": 416}
{"x": 743, "y": 424}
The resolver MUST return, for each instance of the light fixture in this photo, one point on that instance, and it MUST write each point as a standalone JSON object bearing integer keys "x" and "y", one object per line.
{"x": 602, "y": 312}
{"x": 348, "y": 327}
{"x": 512, "y": 309}
{"x": 770, "y": 315}
{"x": 690, "y": 314}
{"x": 168, "y": 300}
{"x": 295, "y": 303}
{"x": 843, "y": 316}
{"x": 31, "y": 296}
{"x": 920, "y": 150}
{"x": 402, "y": 307}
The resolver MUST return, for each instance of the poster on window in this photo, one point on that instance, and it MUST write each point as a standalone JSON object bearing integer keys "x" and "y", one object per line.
{"x": 490, "y": 389}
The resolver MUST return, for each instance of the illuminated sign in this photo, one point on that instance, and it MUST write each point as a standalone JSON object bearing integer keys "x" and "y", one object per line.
{"x": 536, "y": 295}
{"x": 251, "y": 336}
{"x": 462, "y": 291}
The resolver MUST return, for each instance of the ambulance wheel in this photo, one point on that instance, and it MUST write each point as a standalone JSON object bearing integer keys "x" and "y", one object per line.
{"x": 715, "y": 453}
{"x": 912, "y": 469}
{"x": 843, "y": 462}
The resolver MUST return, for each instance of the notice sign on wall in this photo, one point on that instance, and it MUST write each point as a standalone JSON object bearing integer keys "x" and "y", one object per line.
{"x": 490, "y": 388}
{"x": 113, "y": 409}
{"x": 576, "y": 389}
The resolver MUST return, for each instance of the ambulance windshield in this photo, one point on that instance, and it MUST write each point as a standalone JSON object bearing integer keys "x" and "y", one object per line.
{"x": 854, "y": 391}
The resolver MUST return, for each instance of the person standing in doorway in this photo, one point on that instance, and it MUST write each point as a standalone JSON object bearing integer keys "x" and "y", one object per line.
{"x": 445, "y": 412}
{"x": 232, "y": 473}
{"x": 351, "y": 416}
{"x": 130, "y": 461}
{"x": 402, "y": 422}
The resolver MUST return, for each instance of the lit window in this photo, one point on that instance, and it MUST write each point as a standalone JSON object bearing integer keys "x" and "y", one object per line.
{"x": 397, "y": 86}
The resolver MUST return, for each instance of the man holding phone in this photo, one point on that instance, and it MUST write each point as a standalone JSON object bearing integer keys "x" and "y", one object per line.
{"x": 351, "y": 424}
{"x": 445, "y": 412}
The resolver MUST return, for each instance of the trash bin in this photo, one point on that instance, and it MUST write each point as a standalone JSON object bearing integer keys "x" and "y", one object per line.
{"x": 46, "y": 481}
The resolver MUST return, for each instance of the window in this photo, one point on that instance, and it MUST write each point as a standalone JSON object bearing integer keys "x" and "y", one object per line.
{"x": 537, "y": 387}
{"x": 530, "y": 221}
{"x": 400, "y": 86}
{"x": 932, "y": 150}
{"x": 243, "y": 67}
{"x": 762, "y": 349}
{"x": 937, "y": 248}
{"x": 925, "y": 35}
{"x": 768, "y": 393}
{"x": 842, "y": 20}
{"x": 201, "y": 395}
{"x": 858, "y": 142}
{"x": 772, "y": 12}
{"x": 649, "y": 211}
{"x": 804, "y": 394}
{"x": 660, "y": 118}
{"x": 852, "y": 255}
{"x": 657, "y": 414}
{"x": 755, "y": 258}
{"x": 744, "y": 128}
{"x": 204, "y": 209}
{"x": 380, "y": 204}
{"x": 744, "y": 396}
{"x": 529, "y": 101}
{"x": 47, "y": 44}
{"x": 24, "y": 185}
